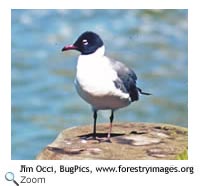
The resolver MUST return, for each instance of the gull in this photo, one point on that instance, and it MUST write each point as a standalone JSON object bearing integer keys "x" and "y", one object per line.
{"x": 104, "y": 83}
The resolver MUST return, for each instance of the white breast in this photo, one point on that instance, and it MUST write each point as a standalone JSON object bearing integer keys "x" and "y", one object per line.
{"x": 95, "y": 82}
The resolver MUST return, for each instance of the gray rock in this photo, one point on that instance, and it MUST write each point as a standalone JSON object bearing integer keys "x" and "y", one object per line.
{"x": 129, "y": 141}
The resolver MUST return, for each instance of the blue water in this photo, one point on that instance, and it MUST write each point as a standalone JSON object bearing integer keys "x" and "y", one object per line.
{"x": 44, "y": 100}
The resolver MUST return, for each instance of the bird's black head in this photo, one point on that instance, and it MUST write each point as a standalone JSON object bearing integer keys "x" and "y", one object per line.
{"x": 87, "y": 43}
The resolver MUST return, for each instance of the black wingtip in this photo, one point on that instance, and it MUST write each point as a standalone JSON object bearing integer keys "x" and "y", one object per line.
{"x": 144, "y": 93}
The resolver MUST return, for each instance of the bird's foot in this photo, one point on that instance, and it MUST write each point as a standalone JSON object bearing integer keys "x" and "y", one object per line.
{"x": 107, "y": 140}
{"x": 102, "y": 139}
{"x": 91, "y": 138}
{"x": 98, "y": 139}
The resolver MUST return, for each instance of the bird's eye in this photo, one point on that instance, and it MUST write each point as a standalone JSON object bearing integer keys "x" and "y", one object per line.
{"x": 85, "y": 42}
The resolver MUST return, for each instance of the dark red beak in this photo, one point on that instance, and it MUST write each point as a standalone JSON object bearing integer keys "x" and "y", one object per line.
{"x": 69, "y": 47}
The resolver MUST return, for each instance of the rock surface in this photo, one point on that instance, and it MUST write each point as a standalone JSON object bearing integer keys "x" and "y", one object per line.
{"x": 129, "y": 141}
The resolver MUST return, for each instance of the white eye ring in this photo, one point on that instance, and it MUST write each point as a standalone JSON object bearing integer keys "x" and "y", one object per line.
{"x": 85, "y": 42}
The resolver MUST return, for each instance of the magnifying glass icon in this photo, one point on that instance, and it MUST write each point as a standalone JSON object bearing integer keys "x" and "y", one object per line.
{"x": 11, "y": 177}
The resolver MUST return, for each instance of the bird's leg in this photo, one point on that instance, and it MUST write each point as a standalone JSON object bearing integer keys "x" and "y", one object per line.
{"x": 93, "y": 136}
{"x": 95, "y": 119}
{"x": 110, "y": 127}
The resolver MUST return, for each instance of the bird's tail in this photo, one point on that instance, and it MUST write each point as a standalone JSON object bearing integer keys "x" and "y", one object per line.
{"x": 144, "y": 93}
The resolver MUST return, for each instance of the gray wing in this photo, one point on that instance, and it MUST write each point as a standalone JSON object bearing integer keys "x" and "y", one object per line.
{"x": 126, "y": 80}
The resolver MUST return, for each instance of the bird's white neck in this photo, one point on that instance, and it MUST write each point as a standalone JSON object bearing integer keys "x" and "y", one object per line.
{"x": 91, "y": 60}
{"x": 100, "y": 51}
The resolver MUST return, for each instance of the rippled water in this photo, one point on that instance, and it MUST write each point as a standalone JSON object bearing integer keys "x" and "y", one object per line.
{"x": 44, "y": 100}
